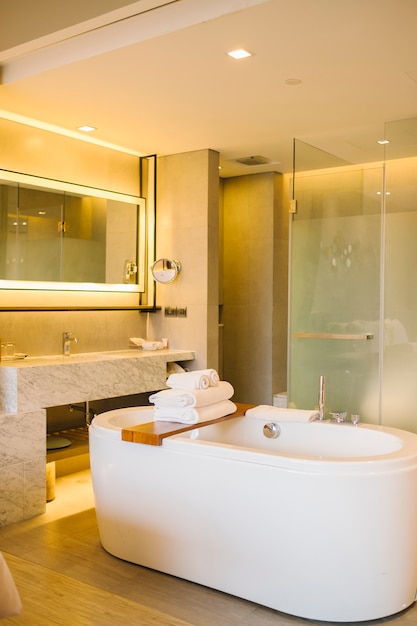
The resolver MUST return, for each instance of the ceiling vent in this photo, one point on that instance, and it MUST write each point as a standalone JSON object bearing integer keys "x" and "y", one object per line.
{"x": 253, "y": 160}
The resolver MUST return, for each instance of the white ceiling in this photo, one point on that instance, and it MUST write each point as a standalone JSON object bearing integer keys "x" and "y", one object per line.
{"x": 153, "y": 76}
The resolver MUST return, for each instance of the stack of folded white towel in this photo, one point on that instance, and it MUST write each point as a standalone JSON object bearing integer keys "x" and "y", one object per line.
{"x": 193, "y": 397}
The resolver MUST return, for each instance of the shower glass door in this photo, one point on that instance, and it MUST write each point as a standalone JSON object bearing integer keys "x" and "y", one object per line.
{"x": 399, "y": 381}
{"x": 335, "y": 283}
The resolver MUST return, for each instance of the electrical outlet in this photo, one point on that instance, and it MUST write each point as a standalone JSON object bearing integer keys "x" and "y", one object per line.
{"x": 182, "y": 312}
{"x": 170, "y": 311}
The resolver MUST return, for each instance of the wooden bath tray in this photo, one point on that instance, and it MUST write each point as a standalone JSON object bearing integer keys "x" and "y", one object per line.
{"x": 153, "y": 433}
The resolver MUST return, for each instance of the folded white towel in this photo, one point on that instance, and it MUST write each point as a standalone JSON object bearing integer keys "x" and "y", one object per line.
{"x": 280, "y": 414}
{"x": 177, "y": 398}
{"x": 192, "y": 415}
{"x": 188, "y": 380}
{"x": 152, "y": 345}
{"x": 136, "y": 341}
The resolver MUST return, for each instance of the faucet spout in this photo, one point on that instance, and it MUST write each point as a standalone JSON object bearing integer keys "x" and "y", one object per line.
{"x": 322, "y": 393}
{"x": 66, "y": 343}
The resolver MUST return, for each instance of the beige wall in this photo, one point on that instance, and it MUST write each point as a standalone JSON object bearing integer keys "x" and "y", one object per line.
{"x": 39, "y": 152}
{"x": 255, "y": 225}
{"x": 280, "y": 284}
{"x": 188, "y": 230}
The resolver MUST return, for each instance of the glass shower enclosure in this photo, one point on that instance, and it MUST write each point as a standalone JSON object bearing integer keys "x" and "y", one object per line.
{"x": 353, "y": 305}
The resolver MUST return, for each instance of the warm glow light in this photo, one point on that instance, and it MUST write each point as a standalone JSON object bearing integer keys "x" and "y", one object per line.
{"x": 58, "y": 286}
{"x": 239, "y": 54}
{"x": 21, "y": 119}
{"x": 86, "y": 128}
{"x": 383, "y": 141}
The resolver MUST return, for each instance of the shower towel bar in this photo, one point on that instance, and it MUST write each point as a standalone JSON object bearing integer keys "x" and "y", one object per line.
{"x": 357, "y": 337}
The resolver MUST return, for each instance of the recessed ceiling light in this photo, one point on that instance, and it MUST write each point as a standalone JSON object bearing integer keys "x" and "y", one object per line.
{"x": 293, "y": 81}
{"x": 86, "y": 128}
{"x": 239, "y": 54}
{"x": 383, "y": 141}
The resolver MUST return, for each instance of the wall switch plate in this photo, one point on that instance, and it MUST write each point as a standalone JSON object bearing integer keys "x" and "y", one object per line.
{"x": 170, "y": 311}
{"x": 182, "y": 312}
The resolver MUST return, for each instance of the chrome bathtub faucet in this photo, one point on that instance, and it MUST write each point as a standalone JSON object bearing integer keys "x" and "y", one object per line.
{"x": 66, "y": 343}
{"x": 322, "y": 393}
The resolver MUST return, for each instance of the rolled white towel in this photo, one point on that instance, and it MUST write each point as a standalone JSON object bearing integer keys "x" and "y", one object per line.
{"x": 192, "y": 415}
{"x": 177, "y": 398}
{"x": 175, "y": 368}
{"x": 188, "y": 380}
{"x": 213, "y": 376}
{"x": 269, "y": 412}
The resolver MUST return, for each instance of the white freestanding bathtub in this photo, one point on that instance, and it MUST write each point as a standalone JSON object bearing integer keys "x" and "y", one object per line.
{"x": 320, "y": 522}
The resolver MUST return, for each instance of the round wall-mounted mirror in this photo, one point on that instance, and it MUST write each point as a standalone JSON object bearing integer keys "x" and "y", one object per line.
{"x": 166, "y": 270}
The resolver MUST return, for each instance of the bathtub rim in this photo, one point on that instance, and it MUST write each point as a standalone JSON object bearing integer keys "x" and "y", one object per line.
{"x": 404, "y": 457}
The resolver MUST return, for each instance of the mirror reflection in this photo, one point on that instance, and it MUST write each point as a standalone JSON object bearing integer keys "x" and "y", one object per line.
{"x": 71, "y": 235}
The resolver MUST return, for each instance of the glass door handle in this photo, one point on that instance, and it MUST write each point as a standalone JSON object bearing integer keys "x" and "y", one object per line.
{"x": 355, "y": 337}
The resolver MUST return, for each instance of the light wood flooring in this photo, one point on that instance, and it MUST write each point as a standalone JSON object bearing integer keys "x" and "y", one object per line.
{"x": 65, "y": 577}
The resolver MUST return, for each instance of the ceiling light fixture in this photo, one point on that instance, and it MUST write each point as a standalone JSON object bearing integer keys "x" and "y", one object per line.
{"x": 293, "y": 81}
{"x": 86, "y": 128}
{"x": 382, "y": 142}
{"x": 239, "y": 54}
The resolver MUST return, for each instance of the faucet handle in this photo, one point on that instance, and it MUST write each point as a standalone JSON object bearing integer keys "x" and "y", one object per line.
{"x": 339, "y": 416}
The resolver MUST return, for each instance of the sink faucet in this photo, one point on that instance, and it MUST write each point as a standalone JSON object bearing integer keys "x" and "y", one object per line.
{"x": 322, "y": 390}
{"x": 66, "y": 343}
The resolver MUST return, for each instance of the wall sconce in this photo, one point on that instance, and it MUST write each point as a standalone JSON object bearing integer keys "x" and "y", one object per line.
{"x": 165, "y": 270}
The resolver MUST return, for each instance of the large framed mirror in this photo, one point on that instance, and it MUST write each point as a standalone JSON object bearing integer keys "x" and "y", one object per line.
{"x": 65, "y": 237}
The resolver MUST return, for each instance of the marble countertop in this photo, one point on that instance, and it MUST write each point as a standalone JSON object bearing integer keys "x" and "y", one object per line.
{"x": 40, "y": 382}
{"x": 168, "y": 355}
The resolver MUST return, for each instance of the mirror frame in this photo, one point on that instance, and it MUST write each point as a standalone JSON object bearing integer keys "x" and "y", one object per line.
{"x": 122, "y": 291}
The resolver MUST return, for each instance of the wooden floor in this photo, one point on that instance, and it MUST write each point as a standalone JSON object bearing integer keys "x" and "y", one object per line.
{"x": 65, "y": 577}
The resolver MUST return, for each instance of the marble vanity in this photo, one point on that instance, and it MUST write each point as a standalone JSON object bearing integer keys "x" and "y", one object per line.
{"x": 29, "y": 386}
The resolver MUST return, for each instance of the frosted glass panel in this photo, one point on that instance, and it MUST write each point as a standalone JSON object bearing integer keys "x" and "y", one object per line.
{"x": 335, "y": 284}
{"x": 399, "y": 381}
